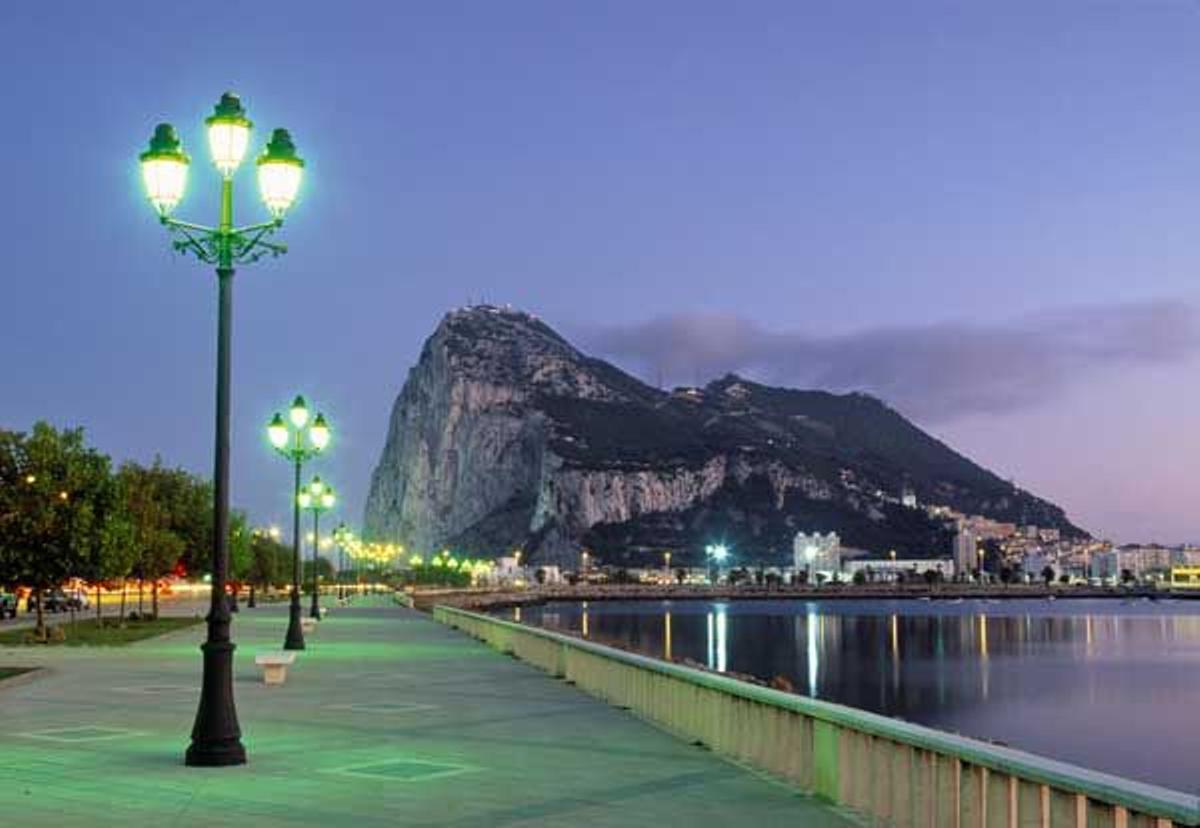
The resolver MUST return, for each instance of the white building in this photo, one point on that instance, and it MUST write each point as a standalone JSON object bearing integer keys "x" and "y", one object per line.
{"x": 887, "y": 569}
{"x": 817, "y": 553}
{"x": 966, "y": 557}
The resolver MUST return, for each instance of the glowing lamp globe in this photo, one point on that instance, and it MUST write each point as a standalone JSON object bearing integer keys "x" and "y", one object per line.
{"x": 298, "y": 413}
{"x": 228, "y": 134}
{"x": 164, "y": 169}
{"x": 279, "y": 173}
{"x": 304, "y": 499}
{"x": 319, "y": 433}
{"x": 277, "y": 432}
{"x": 316, "y": 488}
{"x": 328, "y": 499}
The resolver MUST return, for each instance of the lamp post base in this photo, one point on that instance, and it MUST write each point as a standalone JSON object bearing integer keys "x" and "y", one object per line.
{"x": 216, "y": 737}
{"x": 295, "y": 632}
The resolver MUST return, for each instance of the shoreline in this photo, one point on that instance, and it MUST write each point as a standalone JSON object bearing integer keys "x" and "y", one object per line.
{"x": 491, "y": 599}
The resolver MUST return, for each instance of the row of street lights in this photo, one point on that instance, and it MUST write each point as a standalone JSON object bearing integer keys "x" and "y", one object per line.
{"x": 216, "y": 735}
{"x": 298, "y": 439}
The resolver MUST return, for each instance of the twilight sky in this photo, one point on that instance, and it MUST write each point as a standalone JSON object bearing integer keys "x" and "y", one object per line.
{"x": 987, "y": 214}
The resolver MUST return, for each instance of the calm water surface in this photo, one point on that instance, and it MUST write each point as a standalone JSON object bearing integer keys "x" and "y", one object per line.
{"x": 1107, "y": 684}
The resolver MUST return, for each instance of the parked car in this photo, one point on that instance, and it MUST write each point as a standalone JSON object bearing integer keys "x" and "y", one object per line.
{"x": 77, "y": 599}
{"x": 8, "y": 605}
{"x": 53, "y": 600}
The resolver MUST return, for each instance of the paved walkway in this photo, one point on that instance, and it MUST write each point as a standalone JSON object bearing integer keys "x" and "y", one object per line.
{"x": 387, "y": 719}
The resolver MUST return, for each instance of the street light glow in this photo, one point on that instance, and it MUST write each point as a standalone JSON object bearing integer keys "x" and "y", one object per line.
{"x": 319, "y": 433}
{"x": 279, "y": 173}
{"x": 164, "y": 169}
{"x": 228, "y": 134}
{"x": 277, "y": 431}
{"x": 298, "y": 413}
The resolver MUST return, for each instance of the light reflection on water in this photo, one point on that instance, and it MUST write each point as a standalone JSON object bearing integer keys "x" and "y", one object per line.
{"x": 1103, "y": 683}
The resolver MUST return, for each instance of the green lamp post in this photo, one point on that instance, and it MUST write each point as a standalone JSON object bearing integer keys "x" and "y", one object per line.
{"x": 216, "y": 736}
{"x": 317, "y": 497}
{"x": 297, "y": 439}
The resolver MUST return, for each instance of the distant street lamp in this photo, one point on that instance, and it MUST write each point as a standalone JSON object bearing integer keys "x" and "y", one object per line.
{"x": 298, "y": 440}
{"x": 718, "y": 553}
{"x": 216, "y": 736}
{"x": 667, "y": 565}
{"x": 317, "y": 497}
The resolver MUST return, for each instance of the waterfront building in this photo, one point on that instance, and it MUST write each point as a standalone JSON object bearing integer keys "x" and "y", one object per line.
{"x": 1106, "y": 566}
{"x": 1033, "y": 565}
{"x": 1185, "y": 577}
{"x": 893, "y": 569}
{"x": 817, "y": 553}
{"x": 966, "y": 559}
{"x": 1145, "y": 561}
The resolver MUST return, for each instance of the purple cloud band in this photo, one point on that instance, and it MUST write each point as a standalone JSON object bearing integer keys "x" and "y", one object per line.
{"x": 932, "y": 372}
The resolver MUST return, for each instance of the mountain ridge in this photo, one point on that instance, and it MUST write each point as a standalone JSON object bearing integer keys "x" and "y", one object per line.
{"x": 505, "y": 435}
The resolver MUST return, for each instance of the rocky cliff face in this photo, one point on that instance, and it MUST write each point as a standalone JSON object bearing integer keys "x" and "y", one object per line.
{"x": 505, "y": 436}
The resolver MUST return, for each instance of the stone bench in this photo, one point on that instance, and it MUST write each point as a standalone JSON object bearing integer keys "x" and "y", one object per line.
{"x": 274, "y": 666}
{"x": 308, "y": 624}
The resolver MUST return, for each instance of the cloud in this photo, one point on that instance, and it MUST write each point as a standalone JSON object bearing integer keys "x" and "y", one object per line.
{"x": 933, "y": 372}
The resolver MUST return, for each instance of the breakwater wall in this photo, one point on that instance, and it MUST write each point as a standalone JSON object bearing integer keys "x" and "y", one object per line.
{"x": 898, "y": 773}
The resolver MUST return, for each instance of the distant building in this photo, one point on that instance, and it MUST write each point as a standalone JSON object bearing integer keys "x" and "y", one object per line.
{"x": 1034, "y": 565}
{"x": 1105, "y": 565}
{"x": 817, "y": 553}
{"x": 1185, "y": 577}
{"x": 886, "y": 569}
{"x": 965, "y": 554}
{"x": 908, "y": 498}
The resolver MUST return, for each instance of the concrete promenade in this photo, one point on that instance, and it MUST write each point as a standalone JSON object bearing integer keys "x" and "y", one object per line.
{"x": 388, "y": 719}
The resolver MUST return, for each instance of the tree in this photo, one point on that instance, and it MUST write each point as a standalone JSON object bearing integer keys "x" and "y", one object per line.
{"x": 859, "y": 578}
{"x": 55, "y": 496}
{"x": 115, "y": 556}
{"x": 1126, "y": 576}
{"x": 540, "y": 575}
{"x": 270, "y": 561}
{"x": 680, "y": 575}
{"x": 1064, "y": 579}
{"x": 240, "y": 558}
{"x": 162, "y": 506}
{"x": 324, "y": 572}
{"x": 932, "y": 576}
{"x": 1048, "y": 574}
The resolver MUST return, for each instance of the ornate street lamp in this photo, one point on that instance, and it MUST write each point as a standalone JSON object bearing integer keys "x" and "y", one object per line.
{"x": 298, "y": 439}
{"x": 216, "y": 736}
{"x": 317, "y": 497}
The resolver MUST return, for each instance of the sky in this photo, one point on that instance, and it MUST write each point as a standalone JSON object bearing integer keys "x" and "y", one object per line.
{"x": 986, "y": 214}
